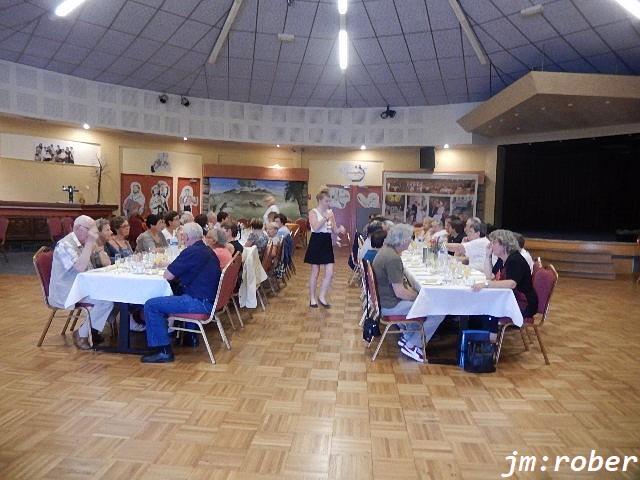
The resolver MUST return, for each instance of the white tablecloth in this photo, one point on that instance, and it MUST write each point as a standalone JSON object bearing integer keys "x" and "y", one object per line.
{"x": 457, "y": 299}
{"x": 106, "y": 284}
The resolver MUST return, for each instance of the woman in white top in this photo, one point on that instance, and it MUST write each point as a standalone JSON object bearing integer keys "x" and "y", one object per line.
{"x": 269, "y": 202}
{"x": 320, "y": 249}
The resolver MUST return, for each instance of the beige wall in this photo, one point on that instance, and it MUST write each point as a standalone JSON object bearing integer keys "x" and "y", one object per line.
{"x": 29, "y": 181}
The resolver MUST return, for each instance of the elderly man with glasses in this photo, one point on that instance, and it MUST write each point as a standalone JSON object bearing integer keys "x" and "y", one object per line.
{"x": 71, "y": 256}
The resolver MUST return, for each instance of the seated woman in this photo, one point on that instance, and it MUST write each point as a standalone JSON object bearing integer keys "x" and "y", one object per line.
{"x": 474, "y": 250}
{"x": 455, "y": 229}
{"x": 395, "y": 297}
{"x": 201, "y": 220}
{"x": 377, "y": 240}
{"x": 434, "y": 231}
{"x": 272, "y": 232}
{"x": 217, "y": 241}
{"x": 230, "y": 229}
{"x": 257, "y": 236}
{"x": 372, "y": 226}
{"x": 99, "y": 256}
{"x": 118, "y": 244}
{"x": 513, "y": 273}
{"x": 152, "y": 240}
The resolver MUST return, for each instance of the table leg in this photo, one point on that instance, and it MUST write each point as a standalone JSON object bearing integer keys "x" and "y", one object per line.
{"x": 124, "y": 338}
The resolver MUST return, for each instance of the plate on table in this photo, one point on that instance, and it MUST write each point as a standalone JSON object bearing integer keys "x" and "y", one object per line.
{"x": 426, "y": 281}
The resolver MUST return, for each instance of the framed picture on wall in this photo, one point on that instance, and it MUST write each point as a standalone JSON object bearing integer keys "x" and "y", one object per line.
{"x": 189, "y": 195}
{"x": 410, "y": 197}
{"x": 145, "y": 194}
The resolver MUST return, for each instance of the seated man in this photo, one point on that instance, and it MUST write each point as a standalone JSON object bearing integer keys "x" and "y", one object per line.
{"x": 475, "y": 248}
{"x": 71, "y": 256}
{"x": 281, "y": 221}
{"x": 198, "y": 270}
{"x": 395, "y": 297}
{"x": 377, "y": 240}
{"x": 372, "y": 226}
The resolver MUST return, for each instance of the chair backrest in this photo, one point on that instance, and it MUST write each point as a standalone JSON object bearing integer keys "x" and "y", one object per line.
{"x": 4, "y": 226}
{"x": 43, "y": 262}
{"x": 302, "y": 224}
{"x": 372, "y": 287}
{"x": 228, "y": 281}
{"x": 293, "y": 227}
{"x": 361, "y": 240}
{"x": 67, "y": 225}
{"x": 267, "y": 257}
{"x": 55, "y": 228}
{"x": 544, "y": 283}
{"x": 537, "y": 265}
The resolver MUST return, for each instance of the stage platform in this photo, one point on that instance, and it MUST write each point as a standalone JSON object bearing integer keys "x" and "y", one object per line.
{"x": 586, "y": 258}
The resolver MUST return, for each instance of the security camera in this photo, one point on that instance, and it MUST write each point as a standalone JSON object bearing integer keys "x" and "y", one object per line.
{"x": 185, "y": 101}
{"x": 388, "y": 113}
{"x": 163, "y": 98}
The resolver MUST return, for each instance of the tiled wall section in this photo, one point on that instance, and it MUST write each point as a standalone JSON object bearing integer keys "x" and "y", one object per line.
{"x": 37, "y": 93}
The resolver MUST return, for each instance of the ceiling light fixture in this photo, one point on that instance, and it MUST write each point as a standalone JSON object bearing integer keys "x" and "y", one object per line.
{"x": 68, "y": 6}
{"x": 278, "y": 146}
{"x": 531, "y": 11}
{"x": 343, "y": 5}
{"x": 363, "y": 147}
{"x": 86, "y": 126}
{"x": 446, "y": 145}
{"x": 343, "y": 49}
{"x": 632, "y": 6}
{"x": 185, "y": 138}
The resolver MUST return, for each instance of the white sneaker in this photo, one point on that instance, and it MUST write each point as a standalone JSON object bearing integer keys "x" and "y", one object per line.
{"x": 413, "y": 352}
{"x": 401, "y": 341}
{"x": 135, "y": 326}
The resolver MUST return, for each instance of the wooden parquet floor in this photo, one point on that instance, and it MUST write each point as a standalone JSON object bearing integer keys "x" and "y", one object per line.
{"x": 298, "y": 398}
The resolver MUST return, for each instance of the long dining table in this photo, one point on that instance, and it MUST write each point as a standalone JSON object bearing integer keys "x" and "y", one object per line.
{"x": 440, "y": 295}
{"x": 123, "y": 288}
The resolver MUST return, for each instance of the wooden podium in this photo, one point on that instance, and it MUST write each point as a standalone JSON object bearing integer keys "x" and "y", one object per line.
{"x": 28, "y": 220}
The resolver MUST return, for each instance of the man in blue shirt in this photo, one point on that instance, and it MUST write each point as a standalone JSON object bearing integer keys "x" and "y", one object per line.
{"x": 198, "y": 270}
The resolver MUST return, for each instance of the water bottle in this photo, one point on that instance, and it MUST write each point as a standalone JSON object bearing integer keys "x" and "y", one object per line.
{"x": 443, "y": 257}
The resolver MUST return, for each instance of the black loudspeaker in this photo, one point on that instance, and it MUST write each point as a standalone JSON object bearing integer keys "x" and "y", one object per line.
{"x": 428, "y": 158}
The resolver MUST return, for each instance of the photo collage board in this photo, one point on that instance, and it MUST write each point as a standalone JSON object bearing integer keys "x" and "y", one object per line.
{"x": 410, "y": 197}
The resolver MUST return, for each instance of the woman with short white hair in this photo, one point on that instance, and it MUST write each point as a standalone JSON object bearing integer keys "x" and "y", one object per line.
{"x": 395, "y": 297}
{"x": 186, "y": 217}
{"x": 217, "y": 241}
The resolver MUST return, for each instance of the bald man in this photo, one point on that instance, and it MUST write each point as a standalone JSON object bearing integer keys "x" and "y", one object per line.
{"x": 71, "y": 256}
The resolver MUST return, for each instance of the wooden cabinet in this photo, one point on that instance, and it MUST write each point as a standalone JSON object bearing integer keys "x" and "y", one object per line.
{"x": 28, "y": 220}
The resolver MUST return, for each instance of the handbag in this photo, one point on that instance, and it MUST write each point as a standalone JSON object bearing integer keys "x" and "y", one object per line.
{"x": 370, "y": 329}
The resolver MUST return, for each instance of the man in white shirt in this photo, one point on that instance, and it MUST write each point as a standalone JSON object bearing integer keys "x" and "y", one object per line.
{"x": 71, "y": 256}
{"x": 475, "y": 246}
{"x": 270, "y": 202}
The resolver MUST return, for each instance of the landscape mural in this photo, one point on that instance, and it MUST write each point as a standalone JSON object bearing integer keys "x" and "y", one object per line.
{"x": 242, "y": 198}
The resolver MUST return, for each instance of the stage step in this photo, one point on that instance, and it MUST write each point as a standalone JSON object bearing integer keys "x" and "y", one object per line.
{"x": 574, "y": 264}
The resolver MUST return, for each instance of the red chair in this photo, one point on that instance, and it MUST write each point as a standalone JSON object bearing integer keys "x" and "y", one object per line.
{"x": 42, "y": 262}
{"x": 544, "y": 283}
{"x": 67, "y": 225}
{"x": 387, "y": 320}
{"x": 303, "y": 226}
{"x": 55, "y": 229}
{"x": 226, "y": 285}
{"x": 4, "y": 226}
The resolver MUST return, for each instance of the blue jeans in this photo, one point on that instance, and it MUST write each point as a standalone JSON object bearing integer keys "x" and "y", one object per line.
{"x": 157, "y": 310}
{"x": 412, "y": 335}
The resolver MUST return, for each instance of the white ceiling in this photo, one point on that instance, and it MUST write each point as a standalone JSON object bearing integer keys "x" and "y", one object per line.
{"x": 402, "y": 52}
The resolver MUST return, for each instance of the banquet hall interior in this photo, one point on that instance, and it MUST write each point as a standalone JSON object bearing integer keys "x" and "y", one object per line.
{"x": 319, "y": 239}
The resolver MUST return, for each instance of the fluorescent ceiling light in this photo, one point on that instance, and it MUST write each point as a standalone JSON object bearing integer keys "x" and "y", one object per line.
{"x": 363, "y": 147}
{"x": 343, "y": 49}
{"x": 185, "y": 138}
{"x": 68, "y": 6}
{"x": 632, "y": 6}
{"x": 446, "y": 145}
{"x": 343, "y": 5}
{"x": 86, "y": 126}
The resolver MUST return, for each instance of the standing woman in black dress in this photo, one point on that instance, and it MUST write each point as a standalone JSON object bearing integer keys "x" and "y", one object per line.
{"x": 320, "y": 249}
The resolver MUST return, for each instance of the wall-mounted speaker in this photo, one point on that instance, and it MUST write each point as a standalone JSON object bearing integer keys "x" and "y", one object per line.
{"x": 428, "y": 158}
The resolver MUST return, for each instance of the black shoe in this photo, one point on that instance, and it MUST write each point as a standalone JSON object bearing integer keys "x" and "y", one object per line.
{"x": 325, "y": 305}
{"x": 313, "y": 305}
{"x": 96, "y": 336}
{"x": 190, "y": 340}
{"x": 162, "y": 356}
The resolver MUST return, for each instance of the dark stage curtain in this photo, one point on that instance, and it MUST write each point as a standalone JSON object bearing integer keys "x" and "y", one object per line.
{"x": 582, "y": 186}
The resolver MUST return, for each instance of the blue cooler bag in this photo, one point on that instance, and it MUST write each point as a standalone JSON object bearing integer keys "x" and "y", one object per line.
{"x": 476, "y": 352}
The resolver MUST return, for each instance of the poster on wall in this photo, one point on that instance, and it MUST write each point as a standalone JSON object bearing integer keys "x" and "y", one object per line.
{"x": 48, "y": 150}
{"x": 242, "y": 198}
{"x": 353, "y": 204}
{"x": 412, "y": 197}
{"x": 189, "y": 195}
{"x": 145, "y": 194}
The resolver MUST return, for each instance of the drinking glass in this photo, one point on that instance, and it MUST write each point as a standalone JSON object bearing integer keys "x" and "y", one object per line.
{"x": 117, "y": 261}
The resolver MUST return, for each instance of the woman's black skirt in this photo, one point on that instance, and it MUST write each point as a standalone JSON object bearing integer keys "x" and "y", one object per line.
{"x": 320, "y": 249}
